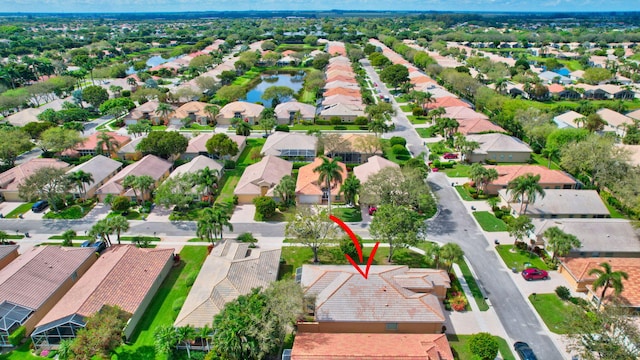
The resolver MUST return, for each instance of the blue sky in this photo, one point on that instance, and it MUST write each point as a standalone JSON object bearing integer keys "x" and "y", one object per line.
{"x": 239, "y": 5}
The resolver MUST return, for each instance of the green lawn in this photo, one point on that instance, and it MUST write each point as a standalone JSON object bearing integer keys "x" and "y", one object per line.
{"x": 131, "y": 215}
{"x": 21, "y": 353}
{"x": 464, "y": 193}
{"x": 460, "y": 346}
{"x": 614, "y": 212}
{"x": 489, "y": 222}
{"x": 417, "y": 119}
{"x": 347, "y": 214}
{"x": 327, "y": 127}
{"x": 458, "y": 170}
{"x": 399, "y": 159}
{"x": 552, "y": 310}
{"x": 19, "y": 210}
{"x": 78, "y": 237}
{"x": 519, "y": 258}
{"x": 232, "y": 176}
{"x": 160, "y": 311}
{"x": 473, "y": 286}
{"x": 158, "y": 128}
{"x": 542, "y": 160}
{"x": 72, "y": 212}
{"x": 406, "y": 108}
{"x": 426, "y": 132}
{"x": 194, "y": 126}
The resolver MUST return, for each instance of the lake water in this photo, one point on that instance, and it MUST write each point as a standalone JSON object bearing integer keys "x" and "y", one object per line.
{"x": 255, "y": 95}
{"x": 153, "y": 61}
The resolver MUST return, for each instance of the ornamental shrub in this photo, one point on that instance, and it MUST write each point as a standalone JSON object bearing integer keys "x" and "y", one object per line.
{"x": 563, "y": 292}
{"x": 484, "y": 345}
{"x": 397, "y": 140}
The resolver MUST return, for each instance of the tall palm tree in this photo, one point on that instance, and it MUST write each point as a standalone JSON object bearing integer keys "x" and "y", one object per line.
{"x": 501, "y": 85}
{"x": 67, "y": 237}
{"x": 286, "y": 190}
{"x": 102, "y": 230}
{"x": 527, "y": 185}
{"x": 131, "y": 81}
{"x": 185, "y": 334}
{"x": 212, "y": 111}
{"x": 207, "y": 181}
{"x": 550, "y": 152}
{"x": 106, "y": 144}
{"x": 451, "y": 253}
{"x": 144, "y": 183}
{"x": 118, "y": 224}
{"x": 129, "y": 181}
{"x": 221, "y": 219}
{"x": 379, "y": 126}
{"x": 81, "y": 179}
{"x": 433, "y": 251}
{"x": 350, "y": 189}
{"x": 163, "y": 111}
{"x": 606, "y": 278}
{"x": 329, "y": 172}
{"x": 205, "y": 229}
{"x": 243, "y": 128}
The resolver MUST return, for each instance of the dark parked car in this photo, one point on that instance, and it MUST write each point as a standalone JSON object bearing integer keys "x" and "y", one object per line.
{"x": 86, "y": 244}
{"x": 372, "y": 210}
{"x": 100, "y": 246}
{"x": 534, "y": 274}
{"x": 39, "y": 206}
{"x": 450, "y": 156}
{"x": 524, "y": 351}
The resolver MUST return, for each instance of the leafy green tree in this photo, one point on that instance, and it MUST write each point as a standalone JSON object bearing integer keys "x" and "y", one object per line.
{"x": 57, "y": 139}
{"x": 330, "y": 173}
{"x": 482, "y": 176}
{"x": 398, "y": 226}
{"x": 559, "y": 242}
{"x": 528, "y": 186}
{"x": 121, "y": 204}
{"x": 45, "y": 183}
{"x": 350, "y": 189}
{"x": 451, "y": 253}
{"x": 312, "y": 228}
{"x": 265, "y": 207}
{"x": 244, "y": 128}
{"x": 64, "y": 349}
{"x": 117, "y": 102}
{"x": 286, "y": 190}
{"x": 14, "y": 142}
{"x": 231, "y": 93}
{"x": 520, "y": 228}
{"x": 221, "y": 146}
{"x": 594, "y": 75}
{"x": 164, "y": 338}
{"x": 277, "y": 94}
{"x": 175, "y": 191}
{"x": 484, "y": 345}
{"x": 35, "y": 128}
{"x": 379, "y": 126}
{"x": 102, "y": 334}
{"x": 606, "y": 278}
{"x": 207, "y": 182}
{"x": 95, "y": 95}
{"x": 395, "y": 75}
{"x": 399, "y": 187}
{"x": 164, "y": 144}
{"x": 67, "y": 237}
{"x": 139, "y": 128}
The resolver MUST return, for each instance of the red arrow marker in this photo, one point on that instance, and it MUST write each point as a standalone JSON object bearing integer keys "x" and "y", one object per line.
{"x": 349, "y": 232}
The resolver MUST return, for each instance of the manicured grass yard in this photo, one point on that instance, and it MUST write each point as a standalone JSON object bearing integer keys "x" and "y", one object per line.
{"x": 519, "y": 257}
{"x": 232, "y": 176}
{"x": 542, "y": 160}
{"x": 458, "y": 170}
{"x": 160, "y": 311}
{"x": 347, "y": 214}
{"x": 326, "y": 127}
{"x": 552, "y": 310}
{"x": 425, "y": 132}
{"x": 21, "y": 353}
{"x": 417, "y": 119}
{"x": 460, "y": 346}
{"x": 464, "y": 193}
{"x": 473, "y": 286}
{"x": 406, "y": 108}
{"x": 19, "y": 210}
{"x": 489, "y": 222}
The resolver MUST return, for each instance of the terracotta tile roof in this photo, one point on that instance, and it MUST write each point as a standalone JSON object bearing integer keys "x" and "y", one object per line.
{"x": 507, "y": 173}
{"x": 343, "y": 295}
{"x": 580, "y": 267}
{"x": 91, "y": 142}
{"x": 44, "y": 269}
{"x": 342, "y": 84}
{"x": 447, "y": 101}
{"x": 555, "y": 88}
{"x": 476, "y": 126}
{"x": 10, "y": 179}
{"x": 342, "y": 91}
{"x": 122, "y": 276}
{"x": 340, "y": 66}
{"x": 463, "y": 112}
{"x": 336, "y": 47}
{"x": 307, "y": 182}
{"x": 340, "y": 346}
{"x": 266, "y": 173}
{"x": 6, "y": 250}
{"x": 149, "y": 165}
{"x": 231, "y": 270}
{"x": 373, "y": 165}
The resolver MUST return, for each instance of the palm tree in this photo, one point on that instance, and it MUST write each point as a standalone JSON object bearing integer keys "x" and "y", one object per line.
{"x": 106, "y": 144}
{"x": 493, "y": 202}
{"x": 212, "y": 111}
{"x": 286, "y": 190}
{"x": 144, "y": 183}
{"x": 67, "y": 237}
{"x": 207, "y": 181}
{"x": 527, "y": 185}
{"x": 102, "y": 230}
{"x": 501, "y": 85}
{"x": 379, "y": 126}
{"x": 131, "y": 81}
{"x": 482, "y": 176}
{"x": 119, "y": 224}
{"x": 163, "y": 111}
{"x": 243, "y": 128}
{"x": 550, "y": 152}
{"x": 185, "y": 334}
{"x": 559, "y": 242}
{"x": 330, "y": 172}
{"x": 81, "y": 178}
{"x": 164, "y": 338}
{"x": 221, "y": 219}
{"x": 433, "y": 251}
{"x": 451, "y": 253}
{"x": 205, "y": 333}
{"x": 437, "y": 114}
{"x": 350, "y": 189}
{"x": 607, "y": 278}
{"x": 129, "y": 181}
{"x": 205, "y": 229}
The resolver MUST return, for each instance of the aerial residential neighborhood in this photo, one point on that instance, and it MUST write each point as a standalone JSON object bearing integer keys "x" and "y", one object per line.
{"x": 300, "y": 184}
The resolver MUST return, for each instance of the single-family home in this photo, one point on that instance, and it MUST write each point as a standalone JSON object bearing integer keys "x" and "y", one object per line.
{"x": 241, "y": 110}
{"x": 261, "y": 178}
{"x": 12, "y": 178}
{"x": 35, "y": 281}
{"x": 130, "y": 150}
{"x": 340, "y": 346}
{"x": 98, "y": 141}
{"x": 310, "y": 191}
{"x": 291, "y": 111}
{"x": 101, "y": 169}
{"x": 373, "y": 166}
{"x": 198, "y": 146}
{"x": 150, "y": 165}
{"x": 549, "y": 179}
{"x": 634, "y": 114}
{"x": 342, "y": 91}
{"x": 576, "y": 272}
{"x": 232, "y": 269}
{"x": 147, "y": 111}
{"x": 616, "y": 122}
{"x": 342, "y": 99}
{"x": 568, "y": 119}
{"x": 599, "y": 237}
{"x": 197, "y": 164}
{"x": 194, "y": 111}
{"x": 124, "y": 275}
{"x": 342, "y": 84}
{"x": 445, "y": 102}
{"x": 291, "y": 146}
{"x": 498, "y": 147}
{"x": 463, "y": 112}
{"x": 7, "y": 254}
{"x": 562, "y": 203}
{"x": 346, "y": 112}
{"x": 348, "y": 148}
{"x": 550, "y": 77}
{"x": 477, "y": 126}
{"x": 392, "y": 299}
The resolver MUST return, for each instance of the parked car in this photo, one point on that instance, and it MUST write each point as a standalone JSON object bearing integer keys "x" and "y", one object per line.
{"x": 534, "y": 274}
{"x": 39, "y": 206}
{"x": 450, "y": 156}
{"x": 100, "y": 246}
{"x": 524, "y": 351}
{"x": 372, "y": 210}
{"x": 86, "y": 243}
{"x": 435, "y": 170}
